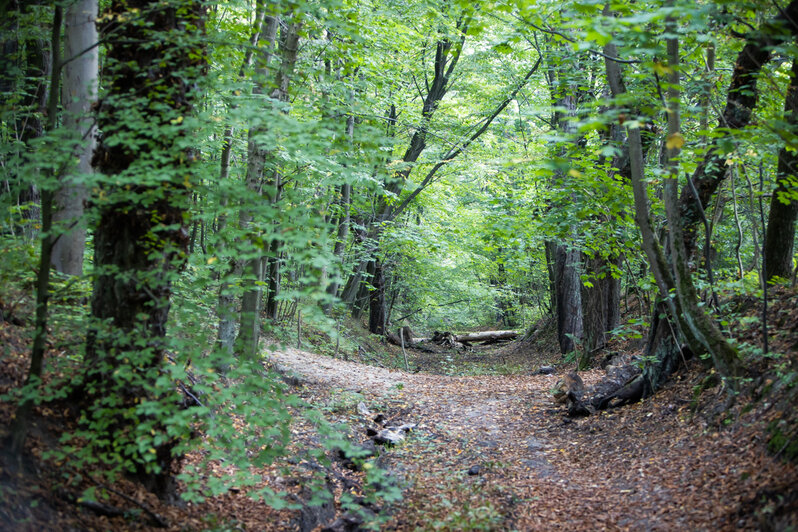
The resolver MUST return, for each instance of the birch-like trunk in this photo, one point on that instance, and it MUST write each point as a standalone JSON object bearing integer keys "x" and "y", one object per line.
{"x": 79, "y": 94}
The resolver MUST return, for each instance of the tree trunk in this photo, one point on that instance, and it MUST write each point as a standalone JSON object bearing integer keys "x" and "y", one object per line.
{"x": 568, "y": 293}
{"x": 246, "y": 343}
{"x": 226, "y": 303}
{"x": 344, "y": 220}
{"x": 274, "y": 281}
{"x": 565, "y": 94}
{"x": 377, "y": 307}
{"x": 600, "y": 304}
{"x": 740, "y": 103}
{"x": 289, "y": 46}
{"x": 724, "y": 356}
{"x": 19, "y": 426}
{"x": 780, "y": 235}
{"x": 249, "y": 330}
{"x": 486, "y": 336}
{"x": 660, "y": 344}
{"x": 80, "y": 92}
{"x": 140, "y": 239}
{"x": 548, "y": 248}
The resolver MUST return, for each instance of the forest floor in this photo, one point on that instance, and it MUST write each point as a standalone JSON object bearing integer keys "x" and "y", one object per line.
{"x": 495, "y": 452}
{"x": 487, "y": 452}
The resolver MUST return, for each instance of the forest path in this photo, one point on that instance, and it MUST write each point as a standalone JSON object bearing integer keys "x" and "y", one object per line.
{"x": 643, "y": 467}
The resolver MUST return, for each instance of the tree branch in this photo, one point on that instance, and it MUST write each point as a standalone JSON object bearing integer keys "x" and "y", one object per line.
{"x": 455, "y": 151}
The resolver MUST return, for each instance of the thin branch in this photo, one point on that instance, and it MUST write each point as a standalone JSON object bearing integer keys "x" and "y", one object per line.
{"x": 421, "y": 94}
{"x": 571, "y": 40}
{"x": 455, "y": 151}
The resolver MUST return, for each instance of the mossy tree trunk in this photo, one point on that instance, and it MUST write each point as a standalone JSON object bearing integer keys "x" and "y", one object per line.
{"x": 141, "y": 237}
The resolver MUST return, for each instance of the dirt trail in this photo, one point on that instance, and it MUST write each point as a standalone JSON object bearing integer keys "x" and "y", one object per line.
{"x": 644, "y": 467}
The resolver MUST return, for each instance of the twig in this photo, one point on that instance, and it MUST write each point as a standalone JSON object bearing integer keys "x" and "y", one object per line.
{"x": 764, "y": 269}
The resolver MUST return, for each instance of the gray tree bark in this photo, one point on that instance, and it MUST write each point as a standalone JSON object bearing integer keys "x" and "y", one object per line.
{"x": 79, "y": 94}
{"x": 246, "y": 343}
{"x": 567, "y": 259}
{"x": 249, "y": 329}
{"x": 226, "y": 304}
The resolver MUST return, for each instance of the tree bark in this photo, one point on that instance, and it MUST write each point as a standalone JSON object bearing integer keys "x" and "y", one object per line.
{"x": 724, "y": 356}
{"x": 249, "y": 329}
{"x": 567, "y": 259}
{"x": 344, "y": 219}
{"x": 20, "y": 424}
{"x": 662, "y": 336}
{"x": 780, "y": 235}
{"x": 568, "y": 294}
{"x": 226, "y": 303}
{"x": 485, "y": 336}
{"x": 140, "y": 239}
{"x": 377, "y": 305}
{"x": 600, "y": 304}
{"x": 80, "y": 92}
{"x": 289, "y": 46}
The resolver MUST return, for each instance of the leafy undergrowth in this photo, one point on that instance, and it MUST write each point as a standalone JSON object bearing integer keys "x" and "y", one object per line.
{"x": 488, "y": 452}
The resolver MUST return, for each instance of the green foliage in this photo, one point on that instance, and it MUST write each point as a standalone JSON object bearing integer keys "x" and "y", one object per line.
{"x": 782, "y": 441}
{"x": 467, "y": 253}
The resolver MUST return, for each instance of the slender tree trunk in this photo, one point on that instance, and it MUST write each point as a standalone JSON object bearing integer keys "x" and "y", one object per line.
{"x": 663, "y": 335}
{"x": 226, "y": 305}
{"x": 780, "y": 234}
{"x": 80, "y": 92}
{"x": 344, "y": 221}
{"x": 548, "y": 248}
{"x": 289, "y": 47}
{"x": 344, "y": 218}
{"x": 724, "y": 356}
{"x": 19, "y": 427}
{"x": 249, "y": 329}
{"x": 740, "y": 102}
{"x": 377, "y": 304}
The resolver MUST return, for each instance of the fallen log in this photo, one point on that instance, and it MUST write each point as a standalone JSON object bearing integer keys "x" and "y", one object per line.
{"x": 483, "y": 336}
{"x": 486, "y": 336}
{"x": 449, "y": 339}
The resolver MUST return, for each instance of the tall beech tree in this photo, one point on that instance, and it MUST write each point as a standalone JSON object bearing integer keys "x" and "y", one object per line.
{"x": 447, "y": 55}
{"x": 155, "y": 58}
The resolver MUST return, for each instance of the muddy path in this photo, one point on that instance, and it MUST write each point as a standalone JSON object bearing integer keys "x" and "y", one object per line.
{"x": 497, "y": 453}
